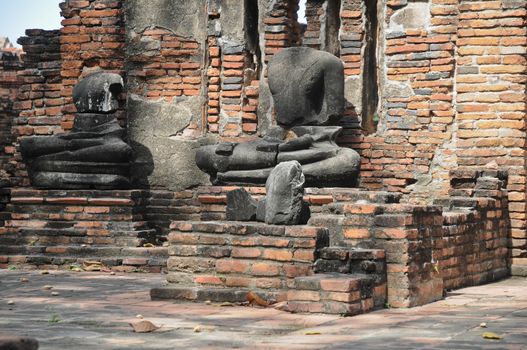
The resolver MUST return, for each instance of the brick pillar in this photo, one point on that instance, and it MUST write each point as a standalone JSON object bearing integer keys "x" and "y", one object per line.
{"x": 490, "y": 88}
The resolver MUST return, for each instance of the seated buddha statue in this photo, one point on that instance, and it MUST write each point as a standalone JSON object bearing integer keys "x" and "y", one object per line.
{"x": 308, "y": 92}
{"x": 93, "y": 154}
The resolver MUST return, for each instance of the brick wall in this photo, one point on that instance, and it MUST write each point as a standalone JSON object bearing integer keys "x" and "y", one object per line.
{"x": 10, "y": 63}
{"x": 40, "y": 95}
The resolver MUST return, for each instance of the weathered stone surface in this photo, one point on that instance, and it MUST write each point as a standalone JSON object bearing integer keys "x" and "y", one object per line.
{"x": 241, "y": 206}
{"x": 162, "y": 156}
{"x": 285, "y": 191}
{"x": 93, "y": 154}
{"x": 191, "y": 16}
{"x": 307, "y": 87}
{"x": 97, "y": 93}
{"x": 18, "y": 343}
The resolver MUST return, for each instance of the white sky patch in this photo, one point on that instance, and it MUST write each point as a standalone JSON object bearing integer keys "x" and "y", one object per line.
{"x": 302, "y": 12}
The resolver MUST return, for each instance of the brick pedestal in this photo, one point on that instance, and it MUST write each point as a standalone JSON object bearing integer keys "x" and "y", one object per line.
{"x": 56, "y": 228}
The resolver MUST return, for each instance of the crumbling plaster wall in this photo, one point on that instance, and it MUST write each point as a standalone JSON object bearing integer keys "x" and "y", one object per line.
{"x": 165, "y": 61}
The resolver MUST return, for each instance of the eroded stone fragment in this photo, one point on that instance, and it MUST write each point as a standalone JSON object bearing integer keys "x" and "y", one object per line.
{"x": 285, "y": 192}
{"x": 241, "y": 206}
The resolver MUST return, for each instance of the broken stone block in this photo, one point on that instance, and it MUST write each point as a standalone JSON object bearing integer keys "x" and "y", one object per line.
{"x": 285, "y": 192}
{"x": 241, "y": 206}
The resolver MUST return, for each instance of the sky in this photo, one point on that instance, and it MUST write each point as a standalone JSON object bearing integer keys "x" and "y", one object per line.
{"x": 18, "y": 15}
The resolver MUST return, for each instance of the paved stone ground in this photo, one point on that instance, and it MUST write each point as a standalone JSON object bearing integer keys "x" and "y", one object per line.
{"x": 92, "y": 311}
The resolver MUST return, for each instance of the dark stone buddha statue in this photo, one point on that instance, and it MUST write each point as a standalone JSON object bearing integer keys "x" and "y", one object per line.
{"x": 93, "y": 154}
{"x": 308, "y": 90}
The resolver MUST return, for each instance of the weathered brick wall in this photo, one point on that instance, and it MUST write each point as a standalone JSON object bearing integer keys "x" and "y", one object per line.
{"x": 40, "y": 96}
{"x": 10, "y": 63}
{"x": 453, "y": 95}
{"x": 91, "y": 39}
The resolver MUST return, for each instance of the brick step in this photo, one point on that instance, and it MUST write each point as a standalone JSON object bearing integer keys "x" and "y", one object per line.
{"x": 354, "y": 195}
{"x": 335, "y": 293}
{"x": 345, "y": 260}
{"x": 117, "y": 264}
{"x": 342, "y": 294}
{"x": 339, "y": 225}
{"x": 78, "y": 236}
{"x": 79, "y": 251}
{"x": 202, "y": 294}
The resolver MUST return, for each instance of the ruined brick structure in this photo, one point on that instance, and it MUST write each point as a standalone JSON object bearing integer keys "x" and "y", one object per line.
{"x": 436, "y": 95}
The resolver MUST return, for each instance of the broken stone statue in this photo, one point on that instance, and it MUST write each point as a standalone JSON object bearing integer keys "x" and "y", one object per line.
{"x": 308, "y": 90}
{"x": 284, "y": 203}
{"x": 93, "y": 154}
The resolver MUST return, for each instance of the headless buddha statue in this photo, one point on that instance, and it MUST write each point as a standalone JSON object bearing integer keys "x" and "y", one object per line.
{"x": 93, "y": 154}
{"x": 308, "y": 91}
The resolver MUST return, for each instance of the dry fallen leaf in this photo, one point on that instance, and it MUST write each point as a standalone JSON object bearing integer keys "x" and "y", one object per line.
{"x": 490, "y": 335}
{"x": 226, "y": 304}
{"x": 483, "y": 325}
{"x": 144, "y": 326}
{"x": 44, "y": 272}
{"x": 197, "y": 329}
{"x": 313, "y": 333}
{"x": 24, "y": 280}
{"x": 139, "y": 316}
{"x": 254, "y": 298}
{"x": 148, "y": 245}
{"x": 10, "y": 302}
{"x": 47, "y": 287}
{"x": 92, "y": 266}
{"x": 55, "y": 294}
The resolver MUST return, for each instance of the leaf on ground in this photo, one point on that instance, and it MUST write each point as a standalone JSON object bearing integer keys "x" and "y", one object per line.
{"x": 55, "y": 294}
{"x": 148, "y": 245}
{"x": 254, "y": 298}
{"x": 75, "y": 268}
{"x": 490, "y": 335}
{"x": 313, "y": 333}
{"x": 92, "y": 266}
{"x": 47, "y": 287}
{"x": 10, "y": 302}
{"x": 24, "y": 280}
{"x": 483, "y": 325}
{"x": 144, "y": 326}
{"x": 226, "y": 304}
{"x": 54, "y": 318}
{"x": 201, "y": 329}
{"x": 45, "y": 272}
